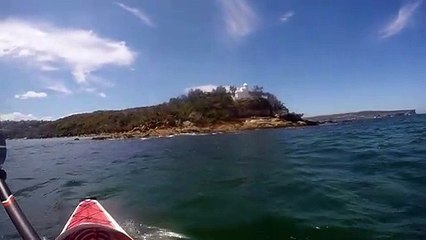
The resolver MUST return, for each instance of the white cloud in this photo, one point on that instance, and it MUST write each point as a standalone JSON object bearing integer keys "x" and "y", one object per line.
{"x": 286, "y": 16}
{"x": 31, "y": 94}
{"x": 205, "y": 88}
{"x": 240, "y": 19}
{"x": 25, "y": 53}
{"x": 80, "y": 51}
{"x": 137, "y": 13}
{"x": 17, "y": 116}
{"x": 401, "y": 20}
{"x": 59, "y": 87}
{"x": 102, "y": 95}
{"x": 48, "y": 68}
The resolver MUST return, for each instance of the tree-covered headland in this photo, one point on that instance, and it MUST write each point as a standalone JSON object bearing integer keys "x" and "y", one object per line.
{"x": 194, "y": 109}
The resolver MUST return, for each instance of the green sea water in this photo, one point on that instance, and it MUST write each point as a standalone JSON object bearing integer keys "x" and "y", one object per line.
{"x": 360, "y": 180}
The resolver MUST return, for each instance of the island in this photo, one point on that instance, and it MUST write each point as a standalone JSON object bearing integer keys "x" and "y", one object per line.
{"x": 224, "y": 109}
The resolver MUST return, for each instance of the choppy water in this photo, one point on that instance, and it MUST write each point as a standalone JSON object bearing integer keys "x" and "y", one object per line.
{"x": 363, "y": 180}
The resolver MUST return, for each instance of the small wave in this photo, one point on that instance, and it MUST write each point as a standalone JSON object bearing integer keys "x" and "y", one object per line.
{"x": 144, "y": 232}
{"x": 24, "y": 178}
{"x": 216, "y": 133}
{"x": 74, "y": 183}
{"x": 27, "y": 191}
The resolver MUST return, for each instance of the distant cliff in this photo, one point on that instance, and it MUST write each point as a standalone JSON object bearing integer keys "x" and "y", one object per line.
{"x": 352, "y": 116}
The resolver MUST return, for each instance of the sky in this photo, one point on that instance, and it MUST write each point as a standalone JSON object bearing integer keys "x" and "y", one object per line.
{"x": 319, "y": 57}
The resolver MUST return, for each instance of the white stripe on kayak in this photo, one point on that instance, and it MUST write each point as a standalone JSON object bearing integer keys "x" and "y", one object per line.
{"x": 2, "y": 146}
{"x": 111, "y": 219}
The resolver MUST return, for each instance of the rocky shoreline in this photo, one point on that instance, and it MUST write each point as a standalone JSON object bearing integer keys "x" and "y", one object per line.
{"x": 189, "y": 128}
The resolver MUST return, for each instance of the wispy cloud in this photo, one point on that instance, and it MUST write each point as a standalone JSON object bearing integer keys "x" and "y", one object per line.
{"x": 240, "y": 18}
{"x": 17, "y": 116}
{"x": 59, "y": 87}
{"x": 30, "y": 94}
{"x": 401, "y": 20}
{"x": 97, "y": 86}
{"x": 49, "y": 47}
{"x": 137, "y": 13}
{"x": 286, "y": 16}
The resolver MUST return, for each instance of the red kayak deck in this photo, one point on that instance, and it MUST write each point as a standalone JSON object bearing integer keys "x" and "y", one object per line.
{"x": 90, "y": 221}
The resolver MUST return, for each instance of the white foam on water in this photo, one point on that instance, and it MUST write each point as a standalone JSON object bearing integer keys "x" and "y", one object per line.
{"x": 144, "y": 232}
{"x": 193, "y": 134}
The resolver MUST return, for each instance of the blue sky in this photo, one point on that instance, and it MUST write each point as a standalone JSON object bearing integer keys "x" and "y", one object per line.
{"x": 319, "y": 57}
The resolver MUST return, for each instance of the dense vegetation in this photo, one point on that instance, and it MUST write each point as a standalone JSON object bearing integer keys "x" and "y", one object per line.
{"x": 198, "y": 107}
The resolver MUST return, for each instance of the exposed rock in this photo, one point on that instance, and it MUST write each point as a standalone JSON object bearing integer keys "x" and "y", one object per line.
{"x": 188, "y": 127}
{"x": 264, "y": 123}
{"x": 100, "y": 138}
{"x": 301, "y": 123}
{"x": 292, "y": 117}
{"x": 187, "y": 124}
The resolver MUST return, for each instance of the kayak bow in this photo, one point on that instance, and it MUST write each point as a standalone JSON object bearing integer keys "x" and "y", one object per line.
{"x": 91, "y": 221}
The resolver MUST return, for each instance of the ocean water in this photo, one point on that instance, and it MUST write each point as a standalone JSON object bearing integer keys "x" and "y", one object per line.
{"x": 361, "y": 180}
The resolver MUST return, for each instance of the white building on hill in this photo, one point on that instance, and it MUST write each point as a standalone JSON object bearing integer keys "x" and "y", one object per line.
{"x": 242, "y": 92}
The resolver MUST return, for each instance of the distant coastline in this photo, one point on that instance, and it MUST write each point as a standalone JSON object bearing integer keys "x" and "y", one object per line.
{"x": 353, "y": 116}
